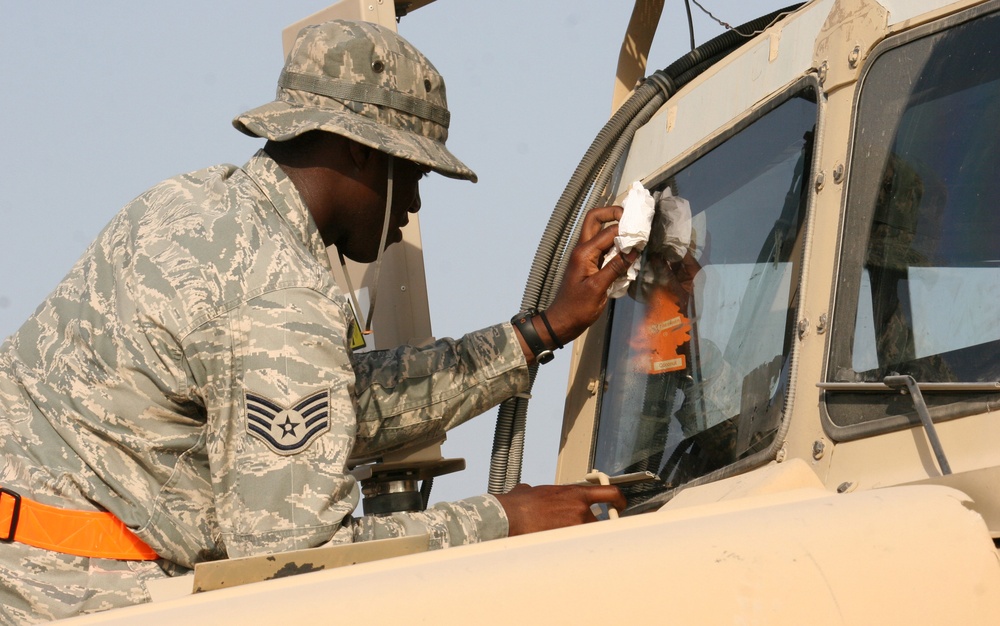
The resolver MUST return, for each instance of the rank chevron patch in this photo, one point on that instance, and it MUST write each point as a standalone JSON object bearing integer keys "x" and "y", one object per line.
{"x": 288, "y": 430}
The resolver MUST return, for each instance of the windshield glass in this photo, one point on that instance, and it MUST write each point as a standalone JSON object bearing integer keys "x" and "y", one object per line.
{"x": 697, "y": 351}
{"x": 923, "y": 296}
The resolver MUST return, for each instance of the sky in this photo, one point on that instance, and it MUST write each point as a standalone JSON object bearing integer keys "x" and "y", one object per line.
{"x": 101, "y": 100}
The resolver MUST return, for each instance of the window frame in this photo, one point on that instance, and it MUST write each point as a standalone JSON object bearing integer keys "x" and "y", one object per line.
{"x": 946, "y": 403}
{"x": 760, "y": 458}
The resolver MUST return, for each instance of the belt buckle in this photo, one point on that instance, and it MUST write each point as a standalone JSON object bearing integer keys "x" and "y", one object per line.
{"x": 14, "y": 514}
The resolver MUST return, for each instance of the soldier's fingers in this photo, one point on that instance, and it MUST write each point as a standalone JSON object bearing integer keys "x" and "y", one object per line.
{"x": 616, "y": 267}
{"x": 605, "y": 494}
{"x": 597, "y": 218}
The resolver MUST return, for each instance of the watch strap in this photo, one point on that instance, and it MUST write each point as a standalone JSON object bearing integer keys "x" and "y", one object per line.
{"x": 522, "y": 321}
{"x": 552, "y": 333}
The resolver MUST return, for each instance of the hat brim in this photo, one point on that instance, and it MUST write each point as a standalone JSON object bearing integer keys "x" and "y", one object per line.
{"x": 280, "y": 121}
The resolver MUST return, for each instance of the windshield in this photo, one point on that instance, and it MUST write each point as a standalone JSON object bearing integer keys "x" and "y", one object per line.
{"x": 697, "y": 351}
{"x": 921, "y": 298}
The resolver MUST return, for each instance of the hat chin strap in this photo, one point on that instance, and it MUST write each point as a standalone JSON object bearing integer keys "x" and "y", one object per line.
{"x": 378, "y": 260}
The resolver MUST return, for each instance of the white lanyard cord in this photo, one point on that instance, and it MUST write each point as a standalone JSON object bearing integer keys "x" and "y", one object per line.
{"x": 378, "y": 260}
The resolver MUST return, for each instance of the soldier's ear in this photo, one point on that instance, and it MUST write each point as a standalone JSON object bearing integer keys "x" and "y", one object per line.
{"x": 361, "y": 155}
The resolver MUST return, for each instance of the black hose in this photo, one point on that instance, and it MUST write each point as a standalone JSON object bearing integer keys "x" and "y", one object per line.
{"x": 687, "y": 7}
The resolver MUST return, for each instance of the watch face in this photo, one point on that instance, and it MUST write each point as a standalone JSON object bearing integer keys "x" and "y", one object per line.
{"x": 523, "y": 316}
{"x": 545, "y": 356}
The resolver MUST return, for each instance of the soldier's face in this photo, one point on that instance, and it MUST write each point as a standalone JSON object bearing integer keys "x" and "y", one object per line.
{"x": 355, "y": 189}
{"x": 406, "y": 177}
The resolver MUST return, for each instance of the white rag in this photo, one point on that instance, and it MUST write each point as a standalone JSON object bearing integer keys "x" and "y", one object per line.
{"x": 633, "y": 233}
{"x": 676, "y": 215}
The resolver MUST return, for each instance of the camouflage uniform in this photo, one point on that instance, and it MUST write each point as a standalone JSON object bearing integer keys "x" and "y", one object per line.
{"x": 137, "y": 387}
{"x": 192, "y": 376}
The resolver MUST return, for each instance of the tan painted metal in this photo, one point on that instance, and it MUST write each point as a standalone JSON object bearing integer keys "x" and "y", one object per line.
{"x": 214, "y": 575}
{"x": 382, "y": 12}
{"x": 901, "y": 457}
{"x": 402, "y": 315}
{"x": 635, "y": 49}
{"x": 769, "y": 548}
{"x": 227, "y": 573}
{"x": 580, "y": 410}
{"x": 849, "y": 33}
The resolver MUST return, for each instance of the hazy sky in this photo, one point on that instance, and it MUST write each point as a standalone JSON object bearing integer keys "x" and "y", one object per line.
{"x": 101, "y": 100}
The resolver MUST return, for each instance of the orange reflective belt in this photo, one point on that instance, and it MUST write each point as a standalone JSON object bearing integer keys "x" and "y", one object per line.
{"x": 81, "y": 533}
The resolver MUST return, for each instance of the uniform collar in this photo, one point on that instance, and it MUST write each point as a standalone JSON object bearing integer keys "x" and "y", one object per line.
{"x": 287, "y": 202}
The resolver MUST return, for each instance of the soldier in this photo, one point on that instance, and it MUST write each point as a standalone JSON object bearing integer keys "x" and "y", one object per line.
{"x": 188, "y": 392}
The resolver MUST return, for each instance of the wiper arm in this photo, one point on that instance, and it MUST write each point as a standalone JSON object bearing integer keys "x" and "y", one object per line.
{"x": 899, "y": 382}
{"x": 892, "y": 383}
{"x": 946, "y": 387}
{"x": 915, "y": 389}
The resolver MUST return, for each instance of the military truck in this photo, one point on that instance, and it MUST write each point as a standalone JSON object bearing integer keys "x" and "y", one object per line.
{"x": 798, "y": 393}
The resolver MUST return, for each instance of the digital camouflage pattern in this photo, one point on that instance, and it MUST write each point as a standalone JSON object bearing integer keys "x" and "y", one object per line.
{"x": 127, "y": 391}
{"x": 365, "y": 82}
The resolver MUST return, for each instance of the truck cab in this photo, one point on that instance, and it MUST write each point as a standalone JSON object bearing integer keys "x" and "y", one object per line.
{"x": 842, "y": 269}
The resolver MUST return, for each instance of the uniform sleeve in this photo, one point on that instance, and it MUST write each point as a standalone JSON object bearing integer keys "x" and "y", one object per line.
{"x": 471, "y": 520}
{"x": 412, "y": 394}
{"x": 283, "y": 418}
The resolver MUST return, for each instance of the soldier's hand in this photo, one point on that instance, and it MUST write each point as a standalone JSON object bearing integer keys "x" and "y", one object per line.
{"x": 531, "y": 509}
{"x": 583, "y": 293}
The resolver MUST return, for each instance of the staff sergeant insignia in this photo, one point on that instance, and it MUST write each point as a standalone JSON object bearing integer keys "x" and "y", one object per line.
{"x": 288, "y": 430}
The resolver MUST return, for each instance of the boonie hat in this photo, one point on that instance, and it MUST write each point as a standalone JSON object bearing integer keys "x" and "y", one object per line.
{"x": 365, "y": 82}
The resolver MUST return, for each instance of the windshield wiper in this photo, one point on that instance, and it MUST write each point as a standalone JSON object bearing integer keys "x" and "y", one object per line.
{"x": 907, "y": 382}
{"x": 882, "y": 386}
{"x": 904, "y": 384}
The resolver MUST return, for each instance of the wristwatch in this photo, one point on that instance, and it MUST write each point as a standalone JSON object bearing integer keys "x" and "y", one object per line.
{"x": 522, "y": 321}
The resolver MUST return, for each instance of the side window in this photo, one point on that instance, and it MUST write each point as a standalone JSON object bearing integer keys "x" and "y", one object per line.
{"x": 919, "y": 289}
{"x": 698, "y": 350}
